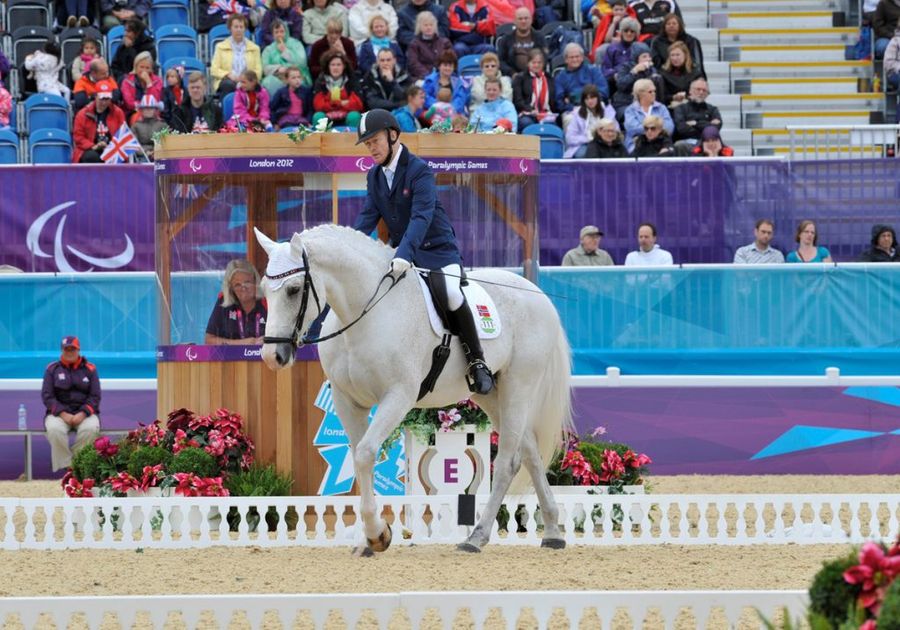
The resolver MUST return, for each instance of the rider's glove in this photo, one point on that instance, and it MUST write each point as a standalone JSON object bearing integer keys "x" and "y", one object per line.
{"x": 399, "y": 266}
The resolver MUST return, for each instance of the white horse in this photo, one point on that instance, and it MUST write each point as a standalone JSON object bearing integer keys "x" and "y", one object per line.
{"x": 382, "y": 359}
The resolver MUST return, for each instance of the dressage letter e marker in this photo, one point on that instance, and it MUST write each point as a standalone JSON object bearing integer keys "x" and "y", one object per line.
{"x": 451, "y": 470}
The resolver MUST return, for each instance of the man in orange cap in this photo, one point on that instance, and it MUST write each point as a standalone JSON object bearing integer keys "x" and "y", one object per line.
{"x": 71, "y": 394}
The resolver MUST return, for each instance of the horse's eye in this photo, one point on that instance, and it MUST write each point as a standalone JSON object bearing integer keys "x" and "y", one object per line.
{"x": 292, "y": 291}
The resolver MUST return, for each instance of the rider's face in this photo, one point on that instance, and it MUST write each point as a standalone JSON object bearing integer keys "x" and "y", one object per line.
{"x": 378, "y": 147}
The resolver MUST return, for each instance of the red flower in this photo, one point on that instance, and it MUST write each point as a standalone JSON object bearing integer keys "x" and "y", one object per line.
{"x": 216, "y": 445}
{"x": 200, "y": 422}
{"x": 182, "y": 442}
{"x": 185, "y": 484}
{"x": 179, "y": 419}
{"x": 612, "y": 467}
{"x": 210, "y": 487}
{"x": 75, "y": 488}
{"x": 581, "y": 468}
{"x": 633, "y": 460}
{"x": 123, "y": 482}
{"x": 151, "y": 476}
{"x": 874, "y": 573}
{"x": 103, "y": 446}
{"x": 495, "y": 438}
{"x": 869, "y": 625}
{"x": 228, "y": 423}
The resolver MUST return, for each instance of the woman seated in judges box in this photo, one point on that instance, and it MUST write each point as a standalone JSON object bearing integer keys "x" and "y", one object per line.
{"x": 239, "y": 316}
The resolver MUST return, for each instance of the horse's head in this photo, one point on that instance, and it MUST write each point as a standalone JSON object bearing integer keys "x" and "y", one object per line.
{"x": 293, "y": 296}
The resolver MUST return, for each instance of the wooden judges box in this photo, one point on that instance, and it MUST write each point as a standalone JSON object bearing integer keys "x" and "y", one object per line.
{"x": 213, "y": 189}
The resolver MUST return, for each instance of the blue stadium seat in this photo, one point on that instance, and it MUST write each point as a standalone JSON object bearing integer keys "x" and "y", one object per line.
{"x": 227, "y": 107}
{"x": 175, "y": 40}
{"x": 26, "y": 40}
{"x": 49, "y": 146}
{"x": 70, "y": 41}
{"x": 113, "y": 39}
{"x": 9, "y": 147}
{"x": 190, "y": 64}
{"x": 46, "y": 111}
{"x": 552, "y": 140}
{"x": 469, "y": 66}
{"x": 164, "y": 12}
{"x": 216, "y": 34}
{"x": 14, "y": 116}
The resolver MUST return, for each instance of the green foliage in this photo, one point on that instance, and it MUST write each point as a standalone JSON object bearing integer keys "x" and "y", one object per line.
{"x": 194, "y": 460}
{"x": 813, "y": 622}
{"x": 830, "y": 596}
{"x": 87, "y": 464}
{"x": 143, "y": 456}
{"x": 889, "y": 615}
{"x": 593, "y": 454}
{"x": 259, "y": 481}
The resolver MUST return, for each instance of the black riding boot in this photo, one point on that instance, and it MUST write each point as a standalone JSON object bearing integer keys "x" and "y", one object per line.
{"x": 478, "y": 374}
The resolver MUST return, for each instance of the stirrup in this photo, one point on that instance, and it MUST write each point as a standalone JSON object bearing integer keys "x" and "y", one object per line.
{"x": 479, "y": 377}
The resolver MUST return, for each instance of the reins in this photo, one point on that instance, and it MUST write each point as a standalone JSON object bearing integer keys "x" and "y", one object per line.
{"x": 308, "y": 285}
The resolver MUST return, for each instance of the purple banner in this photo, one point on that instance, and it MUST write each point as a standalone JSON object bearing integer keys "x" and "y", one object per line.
{"x": 77, "y": 218}
{"x": 751, "y": 431}
{"x": 345, "y": 164}
{"x": 206, "y": 354}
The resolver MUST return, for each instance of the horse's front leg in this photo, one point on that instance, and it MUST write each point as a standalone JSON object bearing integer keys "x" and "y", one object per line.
{"x": 391, "y": 410}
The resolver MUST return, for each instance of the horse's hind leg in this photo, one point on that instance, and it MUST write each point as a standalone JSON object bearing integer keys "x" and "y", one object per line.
{"x": 506, "y": 465}
{"x": 531, "y": 458}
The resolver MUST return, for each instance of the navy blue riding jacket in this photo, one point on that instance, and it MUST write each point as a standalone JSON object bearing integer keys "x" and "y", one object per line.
{"x": 71, "y": 388}
{"x": 418, "y": 226}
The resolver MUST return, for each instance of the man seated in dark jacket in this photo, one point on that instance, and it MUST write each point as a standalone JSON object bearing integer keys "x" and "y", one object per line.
{"x": 134, "y": 42}
{"x": 384, "y": 86}
{"x": 884, "y": 245}
{"x": 71, "y": 395}
{"x": 693, "y": 116}
{"x": 197, "y": 114}
{"x": 513, "y": 48}
{"x": 406, "y": 17}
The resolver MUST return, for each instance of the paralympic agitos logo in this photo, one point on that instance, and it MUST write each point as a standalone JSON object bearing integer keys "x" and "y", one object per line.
{"x": 33, "y": 238}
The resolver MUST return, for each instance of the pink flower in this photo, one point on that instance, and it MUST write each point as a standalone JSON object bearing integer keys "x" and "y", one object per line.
{"x": 227, "y": 423}
{"x": 75, "y": 488}
{"x": 448, "y": 418}
{"x": 123, "y": 482}
{"x": 598, "y": 431}
{"x": 216, "y": 443}
{"x": 185, "y": 485}
{"x": 468, "y": 403}
{"x": 103, "y": 446}
{"x": 182, "y": 442}
{"x": 633, "y": 460}
{"x": 874, "y": 573}
{"x": 151, "y": 476}
{"x": 495, "y": 438}
{"x": 869, "y": 625}
{"x": 581, "y": 468}
{"x": 612, "y": 467}
{"x": 210, "y": 487}
{"x": 200, "y": 422}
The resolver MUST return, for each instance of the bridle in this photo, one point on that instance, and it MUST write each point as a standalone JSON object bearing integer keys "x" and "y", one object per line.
{"x": 295, "y": 340}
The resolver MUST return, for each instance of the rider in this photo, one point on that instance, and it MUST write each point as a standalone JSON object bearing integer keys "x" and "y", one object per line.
{"x": 401, "y": 190}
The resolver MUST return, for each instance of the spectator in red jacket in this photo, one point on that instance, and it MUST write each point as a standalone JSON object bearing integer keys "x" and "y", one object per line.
{"x": 95, "y": 125}
{"x": 337, "y": 96}
{"x": 71, "y": 395}
{"x": 141, "y": 81}
{"x": 471, "y": 30}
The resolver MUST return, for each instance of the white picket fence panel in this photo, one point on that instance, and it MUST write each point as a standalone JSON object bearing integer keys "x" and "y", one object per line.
{"x": 174, "y": 523}
{"x": 418, "y": 607}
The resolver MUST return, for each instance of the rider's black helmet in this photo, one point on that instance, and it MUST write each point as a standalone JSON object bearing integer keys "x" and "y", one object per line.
{"x": 376, "y": 120}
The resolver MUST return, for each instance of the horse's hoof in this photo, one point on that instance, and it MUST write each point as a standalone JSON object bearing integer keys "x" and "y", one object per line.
{"x": 383, "y": 541}
{"x": 468, "y": 547}
{"x": 363, "y": 552}
{"x": 553, "y": 543}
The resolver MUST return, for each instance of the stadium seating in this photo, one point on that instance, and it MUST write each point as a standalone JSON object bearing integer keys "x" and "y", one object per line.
{"x": 49, "y": 146}
{"x": 469, "y": 66}
{"x": 113, "y": 39}
{"x": 70, "y": 41}
{"x": 190, "y": 64}
{"x": 22, "y": 13}
{"x": 552, "y": 140}
{"x": 46, "y": 111}
{"x": 228, "y": 107}
{"x": 9, "y": 147}
{"x": 175, "y": 40}
{"x": 27, "y": 39}
{"x": 163, "y": 12}
{"x": 216, "y": 34}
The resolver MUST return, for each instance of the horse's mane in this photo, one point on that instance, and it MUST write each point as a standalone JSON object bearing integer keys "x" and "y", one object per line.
{"x": 339, "y": 237}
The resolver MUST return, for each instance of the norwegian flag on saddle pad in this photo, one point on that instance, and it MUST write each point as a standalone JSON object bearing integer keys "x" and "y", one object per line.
{"x": 122, "y": 146}
{"x": 227, "y": 7}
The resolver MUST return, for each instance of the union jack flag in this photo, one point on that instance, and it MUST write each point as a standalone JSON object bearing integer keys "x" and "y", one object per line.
{"x": 122, "y": 146}
{"x": 227, "y": 7}
{"x": 186, "y": 191}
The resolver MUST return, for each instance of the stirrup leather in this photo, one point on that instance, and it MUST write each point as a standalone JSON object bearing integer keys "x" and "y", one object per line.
{"x": 474, "y": 365}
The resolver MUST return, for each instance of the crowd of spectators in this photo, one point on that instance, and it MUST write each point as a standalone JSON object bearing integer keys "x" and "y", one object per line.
{"x": 643, "y": 77}
{"x": 882, "y": 248}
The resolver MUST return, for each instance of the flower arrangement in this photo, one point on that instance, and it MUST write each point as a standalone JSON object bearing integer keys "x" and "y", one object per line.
{"x": 860, "y": 590}
{"x": 192, "y": 455}
{"x": 587, "y": 461}
{"x": 423, "y": 423}
{"x": 324, "y": 125}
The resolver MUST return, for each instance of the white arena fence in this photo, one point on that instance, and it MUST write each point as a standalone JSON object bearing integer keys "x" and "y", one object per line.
{"x": 606, "y": 609}
{"x": 172, "y": 523}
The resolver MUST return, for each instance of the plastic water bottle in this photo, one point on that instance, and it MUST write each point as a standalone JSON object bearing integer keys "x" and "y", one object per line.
{"x": 23, "y": 424}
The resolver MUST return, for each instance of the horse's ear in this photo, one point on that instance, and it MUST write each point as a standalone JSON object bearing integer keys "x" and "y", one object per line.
{"x": 264, "y": 241}
{"x": 296, "y": 247}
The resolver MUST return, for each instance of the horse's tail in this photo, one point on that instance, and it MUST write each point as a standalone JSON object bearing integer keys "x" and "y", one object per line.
{"x": 554, "y": 414}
